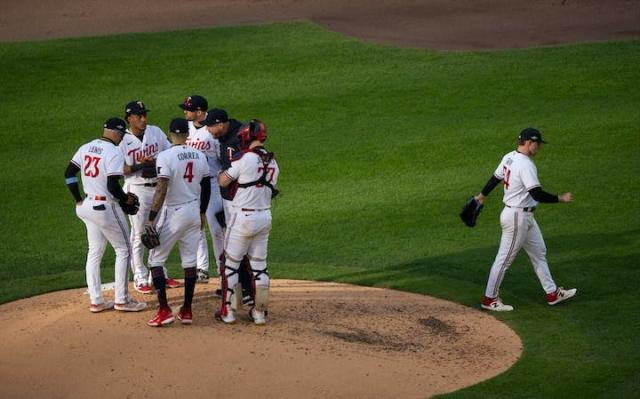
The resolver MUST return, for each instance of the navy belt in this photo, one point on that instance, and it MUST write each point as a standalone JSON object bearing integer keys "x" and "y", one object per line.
{"x": 527, "y": 209}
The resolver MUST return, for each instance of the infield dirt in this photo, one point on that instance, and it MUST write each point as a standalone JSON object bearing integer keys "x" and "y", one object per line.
{"x": 323, "y": 340}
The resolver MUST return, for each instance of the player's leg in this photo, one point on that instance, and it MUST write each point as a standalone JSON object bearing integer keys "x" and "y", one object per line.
{"x": 236, "y": 244}
{"x": 537, "y": 251}
{"x": 188, "y": 243}
{"x": 116, "y": 230}
{"x": 97, "y": 243}
{"x": 257, "y": 254}
{"x": 166, "y": 227}
{"x": 139, "y": 269}
{"x": 203, "y": 251}
{"x": 514, "y": 232}
{"x": 214, "y": 210}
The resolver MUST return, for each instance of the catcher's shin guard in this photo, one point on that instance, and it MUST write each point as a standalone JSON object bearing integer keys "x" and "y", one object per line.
{"x": 262, "y": 298}
{"x": 231, "y": 289}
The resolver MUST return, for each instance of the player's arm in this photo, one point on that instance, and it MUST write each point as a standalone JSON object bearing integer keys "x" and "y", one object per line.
{"x": 224, "y": 179}
{"x": 205, "y": 196}
{"x": 491, "y": 184}
{"x": 71, "y": 180}
{"x": 542, "y": 196}
{"x": 158, "y": 198}
{"x": 113, "y": 185}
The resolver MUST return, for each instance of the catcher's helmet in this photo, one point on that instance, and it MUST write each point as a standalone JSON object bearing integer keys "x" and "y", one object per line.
{"x": 254, "y": 130}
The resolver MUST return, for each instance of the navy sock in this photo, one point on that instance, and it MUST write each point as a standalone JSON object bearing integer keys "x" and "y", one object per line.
{"x": 190, "y": 277}
{"x": 160, "y": 284}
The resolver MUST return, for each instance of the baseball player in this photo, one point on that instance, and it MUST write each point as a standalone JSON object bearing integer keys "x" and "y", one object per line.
{"x": 225, "y": 130}
{"x": 100, "y": 163}
{"x": 195, "y": 108}
{"x": 181, "y": 198}
{"x": 522, "y": 193}
{"x": 256, "y": 172}
{"x": 139, "y": 147}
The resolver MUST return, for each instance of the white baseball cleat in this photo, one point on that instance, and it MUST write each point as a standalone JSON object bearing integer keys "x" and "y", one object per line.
{"x": 258, "y": 317}
{"x": 99, "y": 307}
{"x": 229, "y": 318}
{"x": 561, "y": 295}
{"x": 130, "y": 306}
{"x": 495, "y": 304}
{"x": 203, "y": 277}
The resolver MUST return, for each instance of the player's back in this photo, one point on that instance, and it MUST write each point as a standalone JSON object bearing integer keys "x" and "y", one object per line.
{"x": 97, "y": 160}
{"x": 185, "y": 167}
{"x": 250, "y": 168}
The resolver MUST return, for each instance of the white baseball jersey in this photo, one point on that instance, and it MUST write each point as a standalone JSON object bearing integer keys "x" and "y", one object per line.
{"x": 247, "y": 169}
{"x": 184, "y": 167}
{"x": 202, "y": 140}
{"x": 519, "y": 175}
{"x": 133, "y": 150}
{"x": 97, "y": 160}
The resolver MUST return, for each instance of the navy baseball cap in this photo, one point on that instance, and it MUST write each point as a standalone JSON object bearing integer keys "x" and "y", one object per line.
{"x": 179, "y": 126}
{"x": 215, "y": 116}
{"x": 531, "y": 134}
{"x": 194, "y": 103}
{"x": 116, "y": 124}
{"x": 136, "y": 107}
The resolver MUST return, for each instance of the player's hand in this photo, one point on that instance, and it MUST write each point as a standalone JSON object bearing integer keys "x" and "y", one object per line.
{"x": 566, "y": 197}
{"x": 480, "y": 198}
{"x": 203, "y": 221}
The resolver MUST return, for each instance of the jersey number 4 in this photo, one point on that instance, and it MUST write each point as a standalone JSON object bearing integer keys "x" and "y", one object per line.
{"x": 507, "y": 175}
{"x": 188, "y": 172}
{"x": 91, "y": 166}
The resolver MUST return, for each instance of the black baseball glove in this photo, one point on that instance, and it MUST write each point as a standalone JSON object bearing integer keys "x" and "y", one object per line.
{"x": 130, "y": 205}
{"x": 149, "y": 169}
{"x": 471, "y": 211}
{"x": 150, "y": 238}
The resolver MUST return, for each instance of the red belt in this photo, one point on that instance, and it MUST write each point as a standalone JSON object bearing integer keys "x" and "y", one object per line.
{"x": 99, "y": 198}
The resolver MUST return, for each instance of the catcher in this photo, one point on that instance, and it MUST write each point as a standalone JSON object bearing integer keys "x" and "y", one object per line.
{"x": 102, "y": 163}
{"x": 181, "y": 198}
{"x": 522, "y": 193}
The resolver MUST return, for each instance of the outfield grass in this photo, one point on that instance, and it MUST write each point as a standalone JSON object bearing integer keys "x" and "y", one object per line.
{"x": 379, "y": 147}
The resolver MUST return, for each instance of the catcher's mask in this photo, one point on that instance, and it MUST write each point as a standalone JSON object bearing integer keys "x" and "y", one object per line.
{"x": 254, "y": 130}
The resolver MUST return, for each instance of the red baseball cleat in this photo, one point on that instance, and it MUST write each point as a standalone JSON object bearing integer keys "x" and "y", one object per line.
{"x": 171, "y": 283}
{"x": 164, "y": 317}
{"x": 185, "y": 316}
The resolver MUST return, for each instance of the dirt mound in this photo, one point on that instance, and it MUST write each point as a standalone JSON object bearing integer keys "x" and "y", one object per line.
{"x": 323, "y": 340}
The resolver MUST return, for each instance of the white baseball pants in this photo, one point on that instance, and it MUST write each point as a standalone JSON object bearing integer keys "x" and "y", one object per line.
{"x": 177, "y": 224}
{"x": 519, "y": 230}
{"x": 217, "y": 234}
{"x": 248, "y": 234}
{"x": 145, "y": 196}
{"x": 105, "y": 221}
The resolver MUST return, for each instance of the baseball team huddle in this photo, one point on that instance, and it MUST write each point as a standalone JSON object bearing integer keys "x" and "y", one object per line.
{"x": 214, "y": 171}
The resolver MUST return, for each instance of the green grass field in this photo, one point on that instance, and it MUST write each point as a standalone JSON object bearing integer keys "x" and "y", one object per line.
{"x": 379, "y": 148}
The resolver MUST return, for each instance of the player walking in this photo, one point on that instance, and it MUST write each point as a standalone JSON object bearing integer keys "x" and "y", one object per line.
{"x": 522, "y": 193}
{"x": 181, "y": 198}
{"x": 101, "y": 164}
{"x": 195, "y": 108}
{"x": 140, "y": 146}
{"x": 256, "y": 172}
{"x": 225, "y": 130}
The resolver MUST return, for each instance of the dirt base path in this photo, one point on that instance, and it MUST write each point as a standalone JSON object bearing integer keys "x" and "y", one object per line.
{"x": 437, "y": 24}
{"x": 323, "y": 340}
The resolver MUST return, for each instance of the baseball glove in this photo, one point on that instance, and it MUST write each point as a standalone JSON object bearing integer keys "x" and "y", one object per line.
{"x": 131, "y": 204}
{"x": 150, "y": 238}
{"x": 471, "y": 211}
{"x": 149, "y": 169}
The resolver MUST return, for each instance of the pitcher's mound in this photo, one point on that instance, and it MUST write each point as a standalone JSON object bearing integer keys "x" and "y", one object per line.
{"x": 322, "y": 340}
